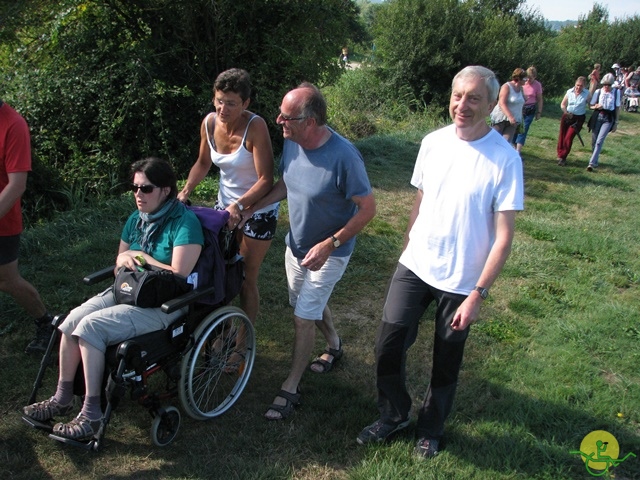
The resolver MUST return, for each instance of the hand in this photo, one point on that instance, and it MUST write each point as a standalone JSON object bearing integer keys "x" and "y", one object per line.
{"x": 467, "y": 312}
{"x": 317, "y": 256}
{"x": 235, "y": 216}
{"x": 183, "y": 197}
{"x": 129, "y": 259}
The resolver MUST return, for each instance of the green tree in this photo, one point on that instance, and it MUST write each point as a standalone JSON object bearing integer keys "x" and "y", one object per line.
{"x": 104, "y": 82}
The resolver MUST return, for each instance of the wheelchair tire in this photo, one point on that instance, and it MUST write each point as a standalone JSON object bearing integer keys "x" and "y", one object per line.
{"x": 209, "y": 385}
{"x": 165, "y": 425}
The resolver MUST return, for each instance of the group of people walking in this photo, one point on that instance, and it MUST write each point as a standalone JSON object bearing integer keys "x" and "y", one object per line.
{"x": 520, "y": 102}
{"x": 451, "y": 259}
{"x": 605, "y": 103}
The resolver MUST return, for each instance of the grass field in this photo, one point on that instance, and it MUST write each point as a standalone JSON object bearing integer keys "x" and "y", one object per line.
{"x": 554, "y": 357}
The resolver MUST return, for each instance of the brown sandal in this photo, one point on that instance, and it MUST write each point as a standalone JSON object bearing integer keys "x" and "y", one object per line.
{"x": 80, "y": 428}
{"x": 46, "y": 410}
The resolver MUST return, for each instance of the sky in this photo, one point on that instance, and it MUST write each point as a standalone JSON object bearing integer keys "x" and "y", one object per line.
{"x": 570, "y": 10}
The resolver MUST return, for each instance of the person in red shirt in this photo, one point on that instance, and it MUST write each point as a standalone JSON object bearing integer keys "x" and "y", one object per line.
{"x": 15, "y": 165}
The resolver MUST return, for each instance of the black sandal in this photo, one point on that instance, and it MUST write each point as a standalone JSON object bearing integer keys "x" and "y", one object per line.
{"x": 292, "y": 401}
{"x": 325, "y": 364}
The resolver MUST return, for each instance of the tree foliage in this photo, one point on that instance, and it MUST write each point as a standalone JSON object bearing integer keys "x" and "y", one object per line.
{"x": 105, "y": 82}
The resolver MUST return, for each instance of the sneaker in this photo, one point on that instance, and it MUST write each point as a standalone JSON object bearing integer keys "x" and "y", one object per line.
{"x": 426, "y": 448}
{"x": 44, "y": 329}
{"x": 589, "y": 168}
{"x": 46, "y": 410}
{"x": 562, "y": 162}
{"x": 379, "y": 431}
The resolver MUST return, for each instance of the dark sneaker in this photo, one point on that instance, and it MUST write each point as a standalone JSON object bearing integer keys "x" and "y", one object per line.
{"x": 44, "y": 329}
{"x": 426, "y": 448}
{"x": 562, "y": 162}
{"x": 379, "y": 431}
{"x": 590, "y": 168}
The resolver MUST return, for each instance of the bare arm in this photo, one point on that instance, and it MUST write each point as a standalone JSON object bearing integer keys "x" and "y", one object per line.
{"x": 502, "y": 101}
{"x": 319, "y": 253}
{"x": 468, "y": 311}
{"x": 412, "y": 217}
{"x": 183, "y": 259}
{"x": 277, "y": 193}
{"x": 13, "y": 191}
{"x": 200, "y": 168}
{"x": 540, "y": 105}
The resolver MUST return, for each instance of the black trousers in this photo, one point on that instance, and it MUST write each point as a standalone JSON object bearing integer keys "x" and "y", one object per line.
{"x": 406, "y": 300}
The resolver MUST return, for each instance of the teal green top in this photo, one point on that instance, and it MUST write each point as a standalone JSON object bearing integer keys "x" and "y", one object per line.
{"x": 183, "y": 229}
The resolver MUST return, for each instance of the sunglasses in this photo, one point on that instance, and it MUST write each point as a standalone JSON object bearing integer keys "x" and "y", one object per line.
{"x": 142, "y": 188}
{"x": 286, "y": 118}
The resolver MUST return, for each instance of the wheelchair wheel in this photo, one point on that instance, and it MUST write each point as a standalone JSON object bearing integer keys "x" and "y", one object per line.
{"x": 165, "y": 426}
{"x": 216, "y": 369}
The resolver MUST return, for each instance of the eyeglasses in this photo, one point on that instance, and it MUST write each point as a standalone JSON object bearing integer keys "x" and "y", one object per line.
{"x": 286, "y": 118}
{"x": 142, "y": 188}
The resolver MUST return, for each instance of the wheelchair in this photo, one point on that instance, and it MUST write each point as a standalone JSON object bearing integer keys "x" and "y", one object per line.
{"x": 630, "y": 100}
{"x": 193, "y": 352}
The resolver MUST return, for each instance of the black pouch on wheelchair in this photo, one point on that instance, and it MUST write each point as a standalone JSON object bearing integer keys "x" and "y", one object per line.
{"x": 148, "y": 287}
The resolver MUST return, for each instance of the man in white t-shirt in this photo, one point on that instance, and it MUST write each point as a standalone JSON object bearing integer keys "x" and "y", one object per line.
{"x": 461, "y": 227}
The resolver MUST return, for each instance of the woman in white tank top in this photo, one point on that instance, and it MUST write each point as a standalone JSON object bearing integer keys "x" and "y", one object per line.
{"x": 238, "y": 143}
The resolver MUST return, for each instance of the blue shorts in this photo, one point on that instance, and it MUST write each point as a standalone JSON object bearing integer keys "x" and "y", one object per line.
{"x": 309, "y": 290}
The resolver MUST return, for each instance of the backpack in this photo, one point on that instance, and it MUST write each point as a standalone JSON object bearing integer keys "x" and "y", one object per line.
{"x": 210, "y": 267}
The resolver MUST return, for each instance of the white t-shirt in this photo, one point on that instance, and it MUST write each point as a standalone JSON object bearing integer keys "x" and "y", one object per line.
{"x": 464, "y": 184}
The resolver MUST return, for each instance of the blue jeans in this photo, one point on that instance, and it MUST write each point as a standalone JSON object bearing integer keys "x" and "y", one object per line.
{"x": 527, "y": 119}
{"x": 599, "y": 133}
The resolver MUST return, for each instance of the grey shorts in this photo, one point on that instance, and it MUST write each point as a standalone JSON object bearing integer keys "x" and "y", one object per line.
{"x": 101, "y": 322}
{"x": 309, "y": 290}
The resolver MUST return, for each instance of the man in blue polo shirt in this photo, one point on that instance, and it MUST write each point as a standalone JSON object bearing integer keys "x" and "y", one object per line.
{"x": 330, "y": 200}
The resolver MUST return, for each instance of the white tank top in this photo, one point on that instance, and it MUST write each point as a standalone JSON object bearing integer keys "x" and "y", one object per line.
{"x": 237, "y": 169}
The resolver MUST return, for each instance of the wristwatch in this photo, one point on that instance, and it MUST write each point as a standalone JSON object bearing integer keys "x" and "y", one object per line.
{"x": 484, "y": 293}
{"x": 239, "y": 205}
{"x": 336, "y": 242}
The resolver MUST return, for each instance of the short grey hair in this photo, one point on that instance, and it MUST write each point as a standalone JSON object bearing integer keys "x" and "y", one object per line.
{"x": 477, "y": 71}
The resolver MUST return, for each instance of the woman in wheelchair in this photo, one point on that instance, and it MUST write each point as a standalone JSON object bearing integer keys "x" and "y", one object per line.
{"x": 165, "y": 234}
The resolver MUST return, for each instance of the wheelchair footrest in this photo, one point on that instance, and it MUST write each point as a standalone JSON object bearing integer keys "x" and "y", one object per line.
{"x": 91, "y": 444}
{"x": 46, "y": 426}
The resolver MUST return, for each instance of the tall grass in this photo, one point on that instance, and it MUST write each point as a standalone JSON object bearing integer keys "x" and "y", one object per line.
{"x": 554, "y": 356}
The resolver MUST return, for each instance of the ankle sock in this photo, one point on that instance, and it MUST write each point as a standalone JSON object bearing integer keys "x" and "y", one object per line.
{"x": 64, "y": 393}
{"x": 91, "y": 408}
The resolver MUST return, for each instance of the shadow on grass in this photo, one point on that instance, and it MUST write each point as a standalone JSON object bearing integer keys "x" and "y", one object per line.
{"x": 547, "y": 429}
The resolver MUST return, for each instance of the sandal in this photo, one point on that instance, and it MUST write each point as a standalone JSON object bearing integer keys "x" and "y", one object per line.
{"x": 325, "y": 364}
{"x": 80, "y": 428}
{"x": 292, "y": 401}
{"x": 46, "y": 410}
{"x": 234, "y": 367}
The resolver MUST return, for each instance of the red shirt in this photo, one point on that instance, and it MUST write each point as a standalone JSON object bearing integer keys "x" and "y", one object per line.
{"x": 15, "y": 156}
